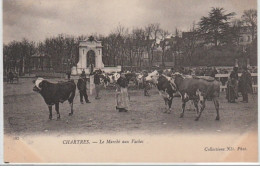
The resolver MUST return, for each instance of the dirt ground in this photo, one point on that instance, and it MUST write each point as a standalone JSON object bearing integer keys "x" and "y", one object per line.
{"x": 25, "y": 112}
{"x": 31, "y": 138}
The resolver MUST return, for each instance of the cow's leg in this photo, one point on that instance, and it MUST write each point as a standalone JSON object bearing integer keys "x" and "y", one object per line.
{"x": 71, "y": 108}
{"x": 166, "y": 105}
{"x": 70, "y": 100}
{"x": 201, "y": 108}
{"x": 50, "y": 111}
{"x": 57, "y": 110}
{"x": 216, "y": 103}
{"x": 183, "y": 108}
{"x": 195, "y": 102}
{"x": 170, "y": 105}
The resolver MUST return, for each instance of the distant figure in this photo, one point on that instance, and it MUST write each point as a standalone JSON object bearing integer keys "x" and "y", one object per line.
{"x": 182, "y": 70}
{"x": 83, "y": 74}
{"x": 91, "y": 69}
{"x": 232, "y": 86}
{"x": 82, "y": 87}
{"x": 97, "y": 83}
{"x": 10, "y": 77}
{"x": 146, "y": 84}
{"x": 122, "y": 99}
{"x": 245, "y": 84}
{"x": 68, "y": 74}
{"x": 213, "y": 72}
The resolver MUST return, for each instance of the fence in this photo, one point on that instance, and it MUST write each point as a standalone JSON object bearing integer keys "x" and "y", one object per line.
{"x": 224, "y": 78}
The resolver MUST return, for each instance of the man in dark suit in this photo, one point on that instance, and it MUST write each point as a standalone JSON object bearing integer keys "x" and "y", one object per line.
{"x": 82, "y": 87}
{"x": 245, "y": 84}
{"x": 97, "y": 82}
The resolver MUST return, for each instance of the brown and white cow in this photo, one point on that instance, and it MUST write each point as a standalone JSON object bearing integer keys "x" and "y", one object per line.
{"x": 198, "y": 90}
{"x": 166, "y": 89}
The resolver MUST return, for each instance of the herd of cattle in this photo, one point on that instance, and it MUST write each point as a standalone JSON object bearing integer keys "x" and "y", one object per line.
{"x": 169, "y": 85}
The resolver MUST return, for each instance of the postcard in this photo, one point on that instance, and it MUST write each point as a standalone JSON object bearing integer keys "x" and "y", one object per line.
{"x": 120, "y": 82}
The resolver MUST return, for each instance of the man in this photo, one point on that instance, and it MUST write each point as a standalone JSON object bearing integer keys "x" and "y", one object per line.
{"x": 122, "y": 98}
{"x": 82, "y": 87}
{"x": 232, "y": 91}
{"x": 97, "y": 83}
{"x": 91, "y": 69}
{"x": 68, "y": 74}
{"x": 83, "y": 74}
{"x": 213, "y": 72}
{"x": 146, "y": 85}
{"x": 245, "y": 84}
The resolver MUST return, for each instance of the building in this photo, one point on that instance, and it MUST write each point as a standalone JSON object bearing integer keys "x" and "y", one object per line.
{"x": 90, "y": 58}
{"x": 245, "y": 36}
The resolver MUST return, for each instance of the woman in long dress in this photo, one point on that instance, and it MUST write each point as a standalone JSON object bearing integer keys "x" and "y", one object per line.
{"x": 122, "y": 99}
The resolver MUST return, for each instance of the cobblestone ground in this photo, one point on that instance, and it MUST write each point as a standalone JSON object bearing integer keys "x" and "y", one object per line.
{"x": 25, "y": 112}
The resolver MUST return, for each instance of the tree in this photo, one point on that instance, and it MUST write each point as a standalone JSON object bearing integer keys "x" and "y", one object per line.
{"x": 152, "y": 34}
{"x": 214, "y": 26}
{"x": 138, "y": 36}
{"x": 250, "y": 19}
{"x": 164, "y": 43}
{"x": 190, "y": 43}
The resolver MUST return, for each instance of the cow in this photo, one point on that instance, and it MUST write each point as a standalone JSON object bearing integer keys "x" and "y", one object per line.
{"x": 140, "y": 80}
{"x": 198, "y": 90}
{"x": 113, "y": 77}
{"x": 166, "y": 89}
{"x": 55, "y": 93}
{"x": 104, "y": 79}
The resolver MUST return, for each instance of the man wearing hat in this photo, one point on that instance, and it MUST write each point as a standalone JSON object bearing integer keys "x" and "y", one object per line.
{"x": 97, "y": 82}
{"x": 146, "y": 84}
{"x": 83, "y": 74}
{"x": 245, "y": 84}
{"x": 232, "y": 91}
{"x": 82, "y": 87}
{"x": 122, "y": 97}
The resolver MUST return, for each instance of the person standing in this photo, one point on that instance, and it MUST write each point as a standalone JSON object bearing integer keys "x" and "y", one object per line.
{"x": 91, "y": 69}
{"x": 232, "y": 91}
{"x": 122, "y": 99}
{"x": 83, "y": 74}
{"x": 97, "y": 83}
{"x": 82, "y": 87}
{"x": 245, "y": 84}
{"x": 68, "y": 74}
{"x": 146, "y": 84}
{"x": 213, "y": 72}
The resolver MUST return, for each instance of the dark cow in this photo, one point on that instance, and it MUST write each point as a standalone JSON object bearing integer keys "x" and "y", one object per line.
{"x": 198, "y": 90}
{"x": 165, "y": 87}
{"x": 55, "y": 93}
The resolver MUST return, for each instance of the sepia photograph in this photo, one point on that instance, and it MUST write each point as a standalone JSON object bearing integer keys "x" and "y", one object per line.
{"x": 130, "y": 82}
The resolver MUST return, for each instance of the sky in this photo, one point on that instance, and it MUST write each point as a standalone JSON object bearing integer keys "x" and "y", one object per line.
{"x": 39, "y": 19}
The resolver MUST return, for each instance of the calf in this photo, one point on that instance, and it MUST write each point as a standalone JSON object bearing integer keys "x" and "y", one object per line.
{"x": 55, "y": 93}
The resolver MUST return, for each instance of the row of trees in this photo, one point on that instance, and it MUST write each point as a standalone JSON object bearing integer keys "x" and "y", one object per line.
{"x": 216, "y": 35}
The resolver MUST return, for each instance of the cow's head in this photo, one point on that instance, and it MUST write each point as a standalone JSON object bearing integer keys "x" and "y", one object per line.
{"x": 153, "y": 77}
{"x": 38, "y": 84}
{"x": 116, "y": 76}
